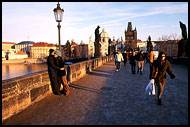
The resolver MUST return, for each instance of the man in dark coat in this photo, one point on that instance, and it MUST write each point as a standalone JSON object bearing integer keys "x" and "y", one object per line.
{"x": 133, "y": 62}
{"x": 124, "y": 57}
{"x": 159, "y": 69}
{"x": 53, "y": 73}
{"x": 140, "y": 61}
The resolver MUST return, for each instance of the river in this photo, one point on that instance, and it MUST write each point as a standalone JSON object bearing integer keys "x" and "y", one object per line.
{"x": 16, "y": 70}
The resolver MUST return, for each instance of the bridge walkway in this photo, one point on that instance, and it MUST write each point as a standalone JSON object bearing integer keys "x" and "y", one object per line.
{"x": 107, "y": 97}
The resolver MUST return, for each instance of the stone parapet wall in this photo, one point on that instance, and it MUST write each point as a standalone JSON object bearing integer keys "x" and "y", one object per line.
{"x": 78, "y": 70}
{"x": 21, "y": 92}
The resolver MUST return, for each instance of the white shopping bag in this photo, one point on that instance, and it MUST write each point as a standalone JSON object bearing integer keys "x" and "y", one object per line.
{"x": 153, "y": 87}
{"x": 150, "y": 88}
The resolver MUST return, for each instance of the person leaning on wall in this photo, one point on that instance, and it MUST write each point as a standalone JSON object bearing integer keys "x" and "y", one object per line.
{"x": 62, "y": 73}
{"x": 53, "y": 72}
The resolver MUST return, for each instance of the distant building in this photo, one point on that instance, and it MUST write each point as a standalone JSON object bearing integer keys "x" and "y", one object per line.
{"x": 142, "y": 45}
{"x": 91, "y": 48}
{"x": 41, "y": 49}
{"x": 3, "y": 55}
{"x": 120, "y": 44}
{"x": 104, "y": 41}
{"x": 170, "y": 47}
{"x": 6, "y": 46}
{"x": 25, "y": 46}
{"x": 12, "y": 54}
{"x": 130, "y": 37}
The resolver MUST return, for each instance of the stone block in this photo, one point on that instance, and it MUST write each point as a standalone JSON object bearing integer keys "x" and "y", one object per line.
{"x": 25, "y": 83}
{"x": 72, "y": 69}
{"x": 79, "y": 74}
{"x": 82, "y": 65}
{"x": 45, "y": 78}
{"x": 36, "y": 92}
{"x": 37, "y": 79}
{"x": 9, "y": 89}
{"x": 73, "y": 76}
{"x": 9, "y": 107}
{"x": 77, "y": 67}
{"x": 23, "y": 97}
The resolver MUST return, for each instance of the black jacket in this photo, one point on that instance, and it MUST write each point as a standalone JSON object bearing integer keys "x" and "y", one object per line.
{"x": 140, "y": 57}
{"x": 52, "y": 67}
{"x": 132, "y": 60}
{"x": 125, "y": 56}
{"x": 60, "y": 62}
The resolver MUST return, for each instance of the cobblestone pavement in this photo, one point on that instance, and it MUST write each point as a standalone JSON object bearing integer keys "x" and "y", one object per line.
{"x": 107, "y": 97}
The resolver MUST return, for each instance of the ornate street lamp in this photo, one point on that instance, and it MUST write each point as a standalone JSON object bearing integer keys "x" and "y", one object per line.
{"x": 58, "y": 12}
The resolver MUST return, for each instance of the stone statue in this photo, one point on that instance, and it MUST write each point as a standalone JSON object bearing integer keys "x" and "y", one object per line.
{"x": 184, "y": 30}
{"x": 97, "y": 35}
{"x": 97, "y": 44}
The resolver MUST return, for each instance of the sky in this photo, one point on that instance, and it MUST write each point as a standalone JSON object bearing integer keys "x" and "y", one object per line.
{"x": 35, "y": 21}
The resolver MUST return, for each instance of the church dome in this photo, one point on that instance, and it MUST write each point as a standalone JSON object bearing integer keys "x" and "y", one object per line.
{"x": 104, "y": 33}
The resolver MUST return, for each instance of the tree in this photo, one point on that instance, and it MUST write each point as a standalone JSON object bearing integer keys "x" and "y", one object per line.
{"x": 173, "y": 36}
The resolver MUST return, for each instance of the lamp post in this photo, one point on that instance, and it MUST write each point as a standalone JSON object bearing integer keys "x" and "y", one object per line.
{"x": 58, "y": 12}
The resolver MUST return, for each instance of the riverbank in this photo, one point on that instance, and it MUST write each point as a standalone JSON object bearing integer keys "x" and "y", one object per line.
{"x": 24, "y": 61}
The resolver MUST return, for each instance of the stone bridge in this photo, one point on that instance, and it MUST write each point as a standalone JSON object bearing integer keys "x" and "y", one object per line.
{"x": 106, "y": 97}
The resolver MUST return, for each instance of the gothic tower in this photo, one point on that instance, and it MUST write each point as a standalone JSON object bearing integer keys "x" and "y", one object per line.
{"x": 130, "y": 37}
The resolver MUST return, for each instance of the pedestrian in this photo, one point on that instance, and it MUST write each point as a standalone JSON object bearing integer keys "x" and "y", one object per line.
{"x": 53, "y": 72}
{"x": 159, "y": 69}
{"x": 115, "y": 53}
{"x": 125, "y": 57}
{"x": 62, "y": 73}
{"x": 151, "y": 60}
{"x": 133, "y": 62}
{"x": 140, "y": 61}
{"x": 118, "y": 59}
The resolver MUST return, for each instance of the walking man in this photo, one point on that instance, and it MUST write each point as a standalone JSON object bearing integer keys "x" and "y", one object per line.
{"x": 133, "y": 62}
{"x": 125, "y": 57}
{"x": 140, "y": 59}
{"x": 118, "y": 59}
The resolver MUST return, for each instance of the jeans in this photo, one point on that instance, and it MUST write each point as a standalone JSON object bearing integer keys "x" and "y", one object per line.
{"x": 118, "y": 65}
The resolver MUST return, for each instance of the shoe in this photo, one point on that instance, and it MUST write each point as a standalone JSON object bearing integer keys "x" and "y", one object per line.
{"x": 141, "y": 72}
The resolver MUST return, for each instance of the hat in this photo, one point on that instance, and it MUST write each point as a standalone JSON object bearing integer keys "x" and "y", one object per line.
{"x": 58, "y": 53}
{"x": 51, "y": 50}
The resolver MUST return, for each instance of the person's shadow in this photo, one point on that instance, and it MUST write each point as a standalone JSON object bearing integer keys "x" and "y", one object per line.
{"x": 84, "y": 88}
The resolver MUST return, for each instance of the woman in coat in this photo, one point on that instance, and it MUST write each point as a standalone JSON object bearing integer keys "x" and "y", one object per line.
{"x": 159, "y": 69}
{"x": 62, "y": 73}
{"x": 53, "y": 72}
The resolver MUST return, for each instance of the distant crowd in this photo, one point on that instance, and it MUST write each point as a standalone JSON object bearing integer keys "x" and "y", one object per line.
{"x": 158, "y": 66}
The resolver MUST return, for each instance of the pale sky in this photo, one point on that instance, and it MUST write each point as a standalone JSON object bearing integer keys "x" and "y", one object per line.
{"x": 35, "y": 21}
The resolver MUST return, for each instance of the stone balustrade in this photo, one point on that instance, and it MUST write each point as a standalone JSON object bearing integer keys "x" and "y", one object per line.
{"x": 21, "y": 92}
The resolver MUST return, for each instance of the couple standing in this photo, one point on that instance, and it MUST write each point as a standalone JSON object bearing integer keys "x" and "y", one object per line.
{"x": 57, "y": 73}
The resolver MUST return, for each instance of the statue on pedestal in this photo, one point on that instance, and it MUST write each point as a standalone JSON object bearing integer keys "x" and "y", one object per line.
{"x": 97, "y": 42}
{"x": 183, "y": 44}
{"x": 183, "y": 30}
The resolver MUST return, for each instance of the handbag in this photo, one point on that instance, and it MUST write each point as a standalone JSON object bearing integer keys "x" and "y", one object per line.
{"x": 150, "y": 88}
